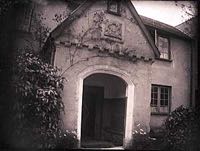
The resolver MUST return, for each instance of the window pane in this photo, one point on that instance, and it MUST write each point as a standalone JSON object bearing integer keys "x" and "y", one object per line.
{"x": 166, "y": 103}
{"x": 163, "y": 47}
{"x": 162, "y": 90}
{"x": 166, "y": 96}
{"x": 161, "y": 96}
{"x": 161, "y": 102}
{"x": 154, "y": 89}
{"x": 154, "y": 102}
{"x": 166, "y": 90}
{"x": 154, "y": 96}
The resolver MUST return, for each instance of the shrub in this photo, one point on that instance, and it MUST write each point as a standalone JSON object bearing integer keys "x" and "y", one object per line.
{"x": 67, "y": 140}
{"x": 141, "y": 139}
{"x": 182, "y": 129}
{"x": 37, "y": 102}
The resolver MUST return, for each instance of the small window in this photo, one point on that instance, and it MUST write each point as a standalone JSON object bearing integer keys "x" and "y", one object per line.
{"x": 114, "y": 7}
{"x": 163, "y": 47}
{"x": 160, "y": 99}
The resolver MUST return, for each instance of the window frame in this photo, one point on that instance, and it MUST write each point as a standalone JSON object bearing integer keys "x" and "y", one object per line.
{"x": 118, "y": 12}
{"x": 155, "y": 33}
{"x": 158, "y": 112}
{"x": 169, "y": 47}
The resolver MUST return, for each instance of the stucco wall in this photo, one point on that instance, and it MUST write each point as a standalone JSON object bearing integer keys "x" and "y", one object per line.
{"x": 139, "y": 73}
{"x": 175, "y": 74}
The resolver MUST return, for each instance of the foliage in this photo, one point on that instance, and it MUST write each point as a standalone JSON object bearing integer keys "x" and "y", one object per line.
{"x": 141, "y": 139}
{"x": 182, "y": 129}
{"x": 38, "y": 104}
{"x": 67, "y": 140}
{"x": 39, "y": 29}
{"x": 189, "y": 8}
{"x": 147, "y": 141}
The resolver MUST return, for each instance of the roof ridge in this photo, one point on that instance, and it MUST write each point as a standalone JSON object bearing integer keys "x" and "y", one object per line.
{"x": 163, "y": 26}
{"x": 154, "y": 20}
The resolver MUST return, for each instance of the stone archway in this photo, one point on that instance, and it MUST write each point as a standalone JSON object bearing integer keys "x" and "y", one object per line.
{"x": 100, "y": 69}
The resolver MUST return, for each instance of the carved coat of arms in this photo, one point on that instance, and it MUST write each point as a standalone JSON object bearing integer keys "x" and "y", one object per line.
{"x": 113, "y": 29}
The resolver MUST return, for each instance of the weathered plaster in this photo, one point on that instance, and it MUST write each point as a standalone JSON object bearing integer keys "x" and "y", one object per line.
{"x": 175, "y": 74}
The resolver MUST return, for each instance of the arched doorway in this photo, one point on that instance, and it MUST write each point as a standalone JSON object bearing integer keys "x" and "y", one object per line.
{"x": 103, "y": 111}
{"x": 126, "y": 78}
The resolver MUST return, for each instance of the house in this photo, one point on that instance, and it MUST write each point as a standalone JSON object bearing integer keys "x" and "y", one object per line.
{"x": 190, "y": 28}
{"x": 123, "y": 71}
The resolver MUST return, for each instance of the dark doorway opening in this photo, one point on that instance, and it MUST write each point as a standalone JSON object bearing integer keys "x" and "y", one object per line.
{"x": 103, "y": 111}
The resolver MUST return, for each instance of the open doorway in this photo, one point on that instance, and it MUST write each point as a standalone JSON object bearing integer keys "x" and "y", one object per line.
{"x": 103, "y": 111}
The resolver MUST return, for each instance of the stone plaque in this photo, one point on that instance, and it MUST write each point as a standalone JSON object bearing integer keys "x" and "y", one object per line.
{"x": 113, "y": 29}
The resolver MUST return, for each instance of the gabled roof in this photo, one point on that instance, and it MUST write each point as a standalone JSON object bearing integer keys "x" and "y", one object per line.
{"x": 72, "y": 16}
{"x": 163, "y": 27}
{"x": 143, "y": 28}
{"x": 86, "y": 4}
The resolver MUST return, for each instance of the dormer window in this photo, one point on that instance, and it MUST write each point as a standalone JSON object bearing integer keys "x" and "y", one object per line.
{"x": 163, "y": 47}
{"x": 113, "y": 7}
{"x": 163, "y": 44}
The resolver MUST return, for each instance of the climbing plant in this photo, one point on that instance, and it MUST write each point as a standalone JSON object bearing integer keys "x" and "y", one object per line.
{"x": 37, "y": 102}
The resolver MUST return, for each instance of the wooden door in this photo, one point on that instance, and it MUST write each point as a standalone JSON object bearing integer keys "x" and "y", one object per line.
{"x": 92, "y": 112}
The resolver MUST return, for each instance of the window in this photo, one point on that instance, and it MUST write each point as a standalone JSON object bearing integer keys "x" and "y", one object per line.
{"x": 114, "y": 7}
{"x": 160, "y": 99}
{"x": 163, "y": 47}
{"x": 163, "y": 44}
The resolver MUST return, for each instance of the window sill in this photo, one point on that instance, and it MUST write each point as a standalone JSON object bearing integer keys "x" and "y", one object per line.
{"x": 162, "y": 59}
{"x": 156, "y": 113}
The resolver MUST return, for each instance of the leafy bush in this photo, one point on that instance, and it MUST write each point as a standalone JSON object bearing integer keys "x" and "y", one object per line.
{"x": 37, "y": 103}
{"x": 141, "y": 139}
{"x": 67, "y": 140}
{"x": 183, "y": 129}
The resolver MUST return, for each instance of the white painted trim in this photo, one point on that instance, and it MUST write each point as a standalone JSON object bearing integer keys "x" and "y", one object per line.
{"x": 129, "y": 94}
